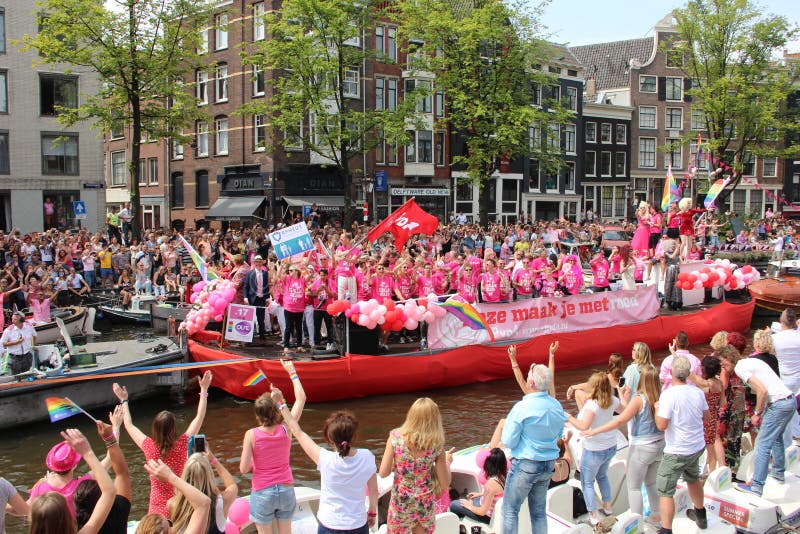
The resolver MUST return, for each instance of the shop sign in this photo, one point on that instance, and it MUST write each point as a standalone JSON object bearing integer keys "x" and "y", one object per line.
{"x": 421, "y": 191}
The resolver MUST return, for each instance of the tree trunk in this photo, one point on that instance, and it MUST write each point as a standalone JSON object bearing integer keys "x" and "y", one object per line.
{"x": 136, "y": 113}
{"x": 485, "y": 201}
{"x": 347, "y": 211}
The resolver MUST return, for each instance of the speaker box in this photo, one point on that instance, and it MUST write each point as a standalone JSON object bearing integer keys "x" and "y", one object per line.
{"x": 362, "y": 339}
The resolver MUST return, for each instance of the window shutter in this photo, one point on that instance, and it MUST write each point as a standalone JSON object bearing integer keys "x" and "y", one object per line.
{"x": 662, "y": 87}
{"x": 687, "y": 86}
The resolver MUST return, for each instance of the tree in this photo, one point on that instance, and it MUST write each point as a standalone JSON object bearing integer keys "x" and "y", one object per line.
{"x": 729, "y": 49}
{"x": 142, "y": 51}
{"x": 483, "y": 56}
{"x": 316, "y": 55}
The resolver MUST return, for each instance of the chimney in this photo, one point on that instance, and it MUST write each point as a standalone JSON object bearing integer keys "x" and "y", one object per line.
{"x": 590, "y": 90}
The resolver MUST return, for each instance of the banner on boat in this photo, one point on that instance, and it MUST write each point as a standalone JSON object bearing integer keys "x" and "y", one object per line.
{"x": 291, "y": 240}
{"x": 240, "y": 323}
{"x": 525, "y": 319}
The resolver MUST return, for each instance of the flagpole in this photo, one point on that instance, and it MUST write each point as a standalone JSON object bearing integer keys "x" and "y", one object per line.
{"x": 81, "y": 409}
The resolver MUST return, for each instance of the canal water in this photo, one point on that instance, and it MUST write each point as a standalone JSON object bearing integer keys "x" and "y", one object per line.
{"x": 470, "y": 414}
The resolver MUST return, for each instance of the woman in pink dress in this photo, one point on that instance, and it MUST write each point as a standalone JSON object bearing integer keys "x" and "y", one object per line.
{"x": 641, "y": 238}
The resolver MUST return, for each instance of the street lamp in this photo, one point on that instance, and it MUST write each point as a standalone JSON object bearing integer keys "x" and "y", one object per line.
{"x": 368, "y": 184}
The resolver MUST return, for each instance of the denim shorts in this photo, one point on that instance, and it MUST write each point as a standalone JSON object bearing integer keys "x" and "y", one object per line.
{"x": 106, "y": 273}
{"x": 273, "y": 502}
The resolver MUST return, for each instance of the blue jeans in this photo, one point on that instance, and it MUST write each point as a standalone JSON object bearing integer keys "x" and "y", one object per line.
{"x": 89, "y": 277}
{"x": 527, "y": 479}
{"x": 793, "y": 429}
{"x": 457, "y": 508}
{"x": 594, "y": 466}
{"x": 770, "y": 440}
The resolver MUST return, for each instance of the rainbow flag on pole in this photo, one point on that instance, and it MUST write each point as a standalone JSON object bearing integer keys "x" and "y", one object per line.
{"x": 59, "y": 408}
{"x": 714, "y": 191}
{"x": 256, "y": 378}
{"x": 198, "y": 260}
{"x": 468, "y": 315}
{"x": 671, "y": 192}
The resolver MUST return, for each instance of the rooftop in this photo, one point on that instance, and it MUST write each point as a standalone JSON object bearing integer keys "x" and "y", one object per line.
{"x": 609, "y": 63}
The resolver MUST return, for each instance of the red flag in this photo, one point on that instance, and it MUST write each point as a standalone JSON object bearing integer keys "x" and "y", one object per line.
{"x": 406, "y": 220}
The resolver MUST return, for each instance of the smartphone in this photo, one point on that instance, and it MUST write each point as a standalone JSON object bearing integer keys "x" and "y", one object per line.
{"x": 622, "y": 381}
{"x": 197, "y": 443}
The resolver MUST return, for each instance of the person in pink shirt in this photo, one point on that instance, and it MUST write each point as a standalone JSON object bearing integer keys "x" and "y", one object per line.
{"x": 476, "y": 264}
{"x": 363, "y": 280}
{"x": 423, "y": 282}
{"x": 539, "y": 268}
{"x": 465, "y": 287}
{"x": 600, "y": 269}
{"x": 506, "y": 289}
{"x": 441, "y": 279}
{"x": 322, "y": 292}
{"x": 265, "y": 452}
{"x": 382, "y": 286}
{"x": 678, "y": 347}
{"x": 549, "y": 283}
{"x": 614, "y": 260}
{"x": 294, "y": 289}
{"x": 571, "y": 276}
{"x": 523, "y": 280}
{"x": 346, "y": 255}
{"x": 490, "y": 283}
{"x": 403, "y": 286}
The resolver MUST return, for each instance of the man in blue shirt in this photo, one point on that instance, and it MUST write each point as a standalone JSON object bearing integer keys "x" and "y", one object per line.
{"x": 531, "y": 431}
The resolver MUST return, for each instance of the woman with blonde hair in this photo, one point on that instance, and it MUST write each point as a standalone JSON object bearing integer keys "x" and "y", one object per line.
{"x": 199, "y": 502}
{"x": 598, "y": 449}
{"x": 614, "y": 371}
{"x": 198, "y": 472}
{"x": 415, "y": 453}
{"x": 720, "y": 339}
{"x": 640, "y": 353}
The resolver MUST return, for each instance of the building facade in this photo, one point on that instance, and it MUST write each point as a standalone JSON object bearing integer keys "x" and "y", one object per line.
{"x": 44, "y": 167}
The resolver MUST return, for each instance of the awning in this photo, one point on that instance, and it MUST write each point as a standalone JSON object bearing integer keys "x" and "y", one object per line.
{"x": 332, "y": 202}
{"x": 233, "y": 208}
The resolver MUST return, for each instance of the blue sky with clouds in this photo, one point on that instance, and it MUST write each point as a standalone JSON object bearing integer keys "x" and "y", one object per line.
{"x": 579, "y": 22}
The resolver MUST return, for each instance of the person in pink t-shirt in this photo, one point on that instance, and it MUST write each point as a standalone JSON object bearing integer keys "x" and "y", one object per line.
{"x": 265, "y": 452}
{"x": 403, "y": 286}
{"x": 465, "y": 287}
{"x": 346, "y": 255}
{"x": 293, "y": 290}
{"x": 523, "y": 280}
{"x": 382, "y": 284}
{"x": 423, "y": 282}
{"x": 600, "y": 268}
{"x": 363, "y": 281}
{"x": 490, "y": 283}
{"x": 571, "y": 276}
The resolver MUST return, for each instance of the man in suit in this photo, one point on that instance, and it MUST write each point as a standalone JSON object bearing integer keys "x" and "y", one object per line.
{"x": 256, "y": 290}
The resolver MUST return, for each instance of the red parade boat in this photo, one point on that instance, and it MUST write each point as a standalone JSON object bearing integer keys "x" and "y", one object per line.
{"x": 361, "y": 375}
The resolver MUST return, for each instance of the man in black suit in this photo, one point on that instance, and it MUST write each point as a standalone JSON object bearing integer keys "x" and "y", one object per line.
{"x": 256, "y": 290}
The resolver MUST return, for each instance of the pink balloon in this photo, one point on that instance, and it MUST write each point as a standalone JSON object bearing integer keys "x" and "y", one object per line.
{"x": 198, "y": 287}
{"x": 239, "y": 512}
{"x": 230, "y": 528}
{"x": 411, "y": 324}
{"x": 218, "y": 318}
{"x": 363, "y": 320}
{"x": 428, "y": 316}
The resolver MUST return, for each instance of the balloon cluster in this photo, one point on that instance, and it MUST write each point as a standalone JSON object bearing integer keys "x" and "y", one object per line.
{"x": 388, "y": 315}
{"x": 210, "y": 301}
{"x": 238, "y": 516}
{"x": 718, "y": 273}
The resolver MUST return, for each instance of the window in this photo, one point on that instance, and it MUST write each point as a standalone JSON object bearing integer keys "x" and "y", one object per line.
{"x": 756, "y": 203}
{"x": 380, "y": 96}
{"x": 555, "y": 94}
{"x": 5, "y": 161}
{"x": 59, "y": 153}
{"x": 619, "y": 164}
{"x": 221, "y": 26}
{"x": 647, "y": 84}
{"x": 570, "y": 178}
{"x": 605, "y": 132}
{"x": 380, "y": 42}
{"x": 203, "y": 48}
{"x": 605, "y": 163}
{"x": 674, "y": 59}
{"x": 554, "y": 136}
{"x": 439, "y": 103}
{"x": 391, "y": 153}
{"x": 259, "y": 32}
{"x": 117, "y": 129}
{"x": 201, "y": 139}
{"x": 176, "y": 190}
{"x": 536, "y": 94}
{"x": 57, "y": 91}
{"x": 697, "y": 120}
{"x": 380, "y": 149}
{"x": 142, "y": 171}
{"x": 572, "y": 98}
{"x": 391, "y": 95}
{"x": 152, "y": 164}
{"x": 770, "y": 167}
{"x": 351, "y": 86}
{"x": 177, "y": 149}
{"x": 425, "y": 146}
{"x": 201, "y": 189}
{"x": 748, "y": 164}
{"x": 221, "y": 129}
{"x": 647, "y": 152}
{"x": 674, "y": 119}
{"x": 739, "y": 200}
{"x": 424, "y": 101}
{"x": 259, "y": 133}
{"x": 258, "y": 81}
{"x": 222, "y": 83}
{"x": 591, "y": 132}
{"x": 620, "y": 134}
{"x": 439, "y": 149}
{"x": 535, "y": 136}
{"x": 509, "y": 196}
{"x": 674, "y": 88}
{"x": 2, "y": 30}
{"x": 590, "y": 164}
{"x": 391, "y": 43}
{"x": 3, "y": 91}
{"x": 647, "y": 116}
{"x": 696, "y": 160}
{"x": 201, "y": 87}
{"x": 569, "y": 138}
{"x": 293, "y": 137}
{"x": 673, "y": 154}
{"x": 411, "y": 147}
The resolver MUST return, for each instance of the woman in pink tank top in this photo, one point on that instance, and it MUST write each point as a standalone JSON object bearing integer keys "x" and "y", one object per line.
{"x": 265, "y": 452}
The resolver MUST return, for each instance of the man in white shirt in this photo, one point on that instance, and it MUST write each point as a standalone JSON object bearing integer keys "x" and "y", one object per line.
{"x": 18, "y": 340}
{"x": 678, "y": 348}
{"x": 679, "y": 414}
{"x": 775, "y": 405}
{"x": 125, "y": 217}
{"x": 787, "y": 350}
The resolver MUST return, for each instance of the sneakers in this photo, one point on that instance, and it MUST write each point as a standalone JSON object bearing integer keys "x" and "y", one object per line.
{"x": 698, "y": 515}
{"x": 748, "y": 488}
{"x": 778, "y": 479}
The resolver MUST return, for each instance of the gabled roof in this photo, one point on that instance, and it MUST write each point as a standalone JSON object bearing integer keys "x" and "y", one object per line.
{"x": 562, "y": 55}
{"x": 609, "y": 63}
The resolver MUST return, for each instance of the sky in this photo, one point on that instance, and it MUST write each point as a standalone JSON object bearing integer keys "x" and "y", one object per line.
{"x": 600, "y": 21}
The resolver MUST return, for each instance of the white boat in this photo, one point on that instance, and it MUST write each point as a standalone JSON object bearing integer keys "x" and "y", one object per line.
{"x": 78, "y": 320}
{"x": 137, "y": 313}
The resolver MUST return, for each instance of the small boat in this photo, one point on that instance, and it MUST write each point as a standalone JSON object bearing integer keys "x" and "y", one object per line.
{"x": 78, "y": 320}
{"x": 22, "y": 397}
{"x": 362, "y": 375}
{"x": 161, "y": 313}
{"x": 775, "y": 294}
{"x": 137, "y": 313}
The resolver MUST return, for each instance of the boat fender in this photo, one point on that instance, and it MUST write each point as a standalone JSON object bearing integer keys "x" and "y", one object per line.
{"x": 719, "y": 479}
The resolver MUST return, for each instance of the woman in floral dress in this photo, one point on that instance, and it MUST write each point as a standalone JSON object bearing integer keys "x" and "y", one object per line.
{"x": 415, "y": 453}
{"x": 731, "y": 414}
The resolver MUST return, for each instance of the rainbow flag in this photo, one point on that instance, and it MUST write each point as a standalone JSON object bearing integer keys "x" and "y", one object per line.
{"x": 714, "y": 191}
{"x": 59, "y": 408}
{"x": 198, "y": 260}
{"x": 468, "y": 315}
{"x": 257, "y": 377}
{"x": 671, "y": 192}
